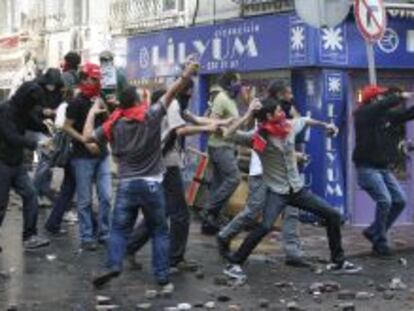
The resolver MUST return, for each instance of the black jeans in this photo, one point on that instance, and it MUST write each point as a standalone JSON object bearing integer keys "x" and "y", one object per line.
{"x": 305, "y": 200}
{"x": 16, "y": 177}
{"x": 179, "y": 216}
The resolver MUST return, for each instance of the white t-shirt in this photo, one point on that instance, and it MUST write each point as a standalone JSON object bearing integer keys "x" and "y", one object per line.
{"x": 255, "y": 168}
{"x": 61, "y": 115}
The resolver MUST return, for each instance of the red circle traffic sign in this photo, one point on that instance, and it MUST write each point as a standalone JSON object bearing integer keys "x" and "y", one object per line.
{"x": 370, "y": 18}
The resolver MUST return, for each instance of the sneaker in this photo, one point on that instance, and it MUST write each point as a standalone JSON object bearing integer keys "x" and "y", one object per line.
{"x": 223, "y": 247}
{"x": 368, "y": 235}
{"x": 208, "y": 227}
{"x": 56, "y": 234}
{"x": 345, "y": 267}
{"x": 35, "y": 241}
{"x": 382, "y": 251}
{"x": 235, "y": 272}
{"x": 166, "y": 289}
{"x": 70, "y": 217}
{"x": 297, "y": 262}
{"x": 186, "y": 265}
{"x": 104, "y": 277}
{"x": 44, "y": 201}
{"x": 90, "y": 246}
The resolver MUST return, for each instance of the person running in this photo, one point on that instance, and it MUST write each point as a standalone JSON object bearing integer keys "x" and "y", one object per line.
{"x": 134, "y": 131}
{"x": 378, "y": 116}
{"x": 274, "y": 142}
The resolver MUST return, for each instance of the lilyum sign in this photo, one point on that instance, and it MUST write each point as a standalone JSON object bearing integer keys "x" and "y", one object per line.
{"x": 244, "y": 45}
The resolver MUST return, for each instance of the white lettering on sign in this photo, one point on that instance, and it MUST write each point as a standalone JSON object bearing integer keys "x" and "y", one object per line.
{"x": 224, "y": 50}
{"x": 410, "y": 41}
{"x": 335, "y": 190}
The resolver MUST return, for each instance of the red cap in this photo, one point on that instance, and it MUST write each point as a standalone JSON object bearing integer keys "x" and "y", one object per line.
{"x": 92, "y": 70}
{"x": 369, "y": 92}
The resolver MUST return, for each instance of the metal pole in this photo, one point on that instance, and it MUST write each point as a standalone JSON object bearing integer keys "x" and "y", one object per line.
{"x": 371, "y": 63}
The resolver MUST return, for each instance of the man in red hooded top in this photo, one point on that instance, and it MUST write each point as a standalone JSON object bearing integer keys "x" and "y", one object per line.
{"x": 379, "y": 114}
{"x": 90, "y": 161}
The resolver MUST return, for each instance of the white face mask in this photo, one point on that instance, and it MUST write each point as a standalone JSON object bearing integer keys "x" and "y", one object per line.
{"x": 50, "y": 87}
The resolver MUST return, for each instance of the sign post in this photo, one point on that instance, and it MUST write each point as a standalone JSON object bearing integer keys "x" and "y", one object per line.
{"x": 371, "y": 20}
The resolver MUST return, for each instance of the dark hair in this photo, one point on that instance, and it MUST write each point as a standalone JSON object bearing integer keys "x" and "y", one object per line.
{"x": 157, "y": 94}
{"x": 73, "y": 60}
{"x": 129, "y": 96}
{"x": 227, "y": 78}
{"x": 269, "y": 105}
{"x": 276, "y": 87}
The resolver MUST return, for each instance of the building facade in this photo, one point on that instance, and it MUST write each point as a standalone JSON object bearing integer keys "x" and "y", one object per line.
{"x": 326, "y": 68}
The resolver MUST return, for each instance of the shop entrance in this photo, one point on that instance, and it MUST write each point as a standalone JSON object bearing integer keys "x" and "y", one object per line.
{"x": 362, "y": 206}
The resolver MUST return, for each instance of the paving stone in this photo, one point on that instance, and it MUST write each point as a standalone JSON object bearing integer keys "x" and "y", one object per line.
{"x": 143, "y": 306}
{"x": 364, "y": 295}
{"x": 264, "y": 303}
{"x": 397, "y": 284}
{"x": 234, "y": 308}
{"x": 210, "y": 305}
{"x": 346, "y": 295}
{"x": 151, "y": 293}
{"x": 346, "y": 306}
{"x": 184, "y": 306}
{"x": 101, "y": 300}
{"x": 388, "y": 295}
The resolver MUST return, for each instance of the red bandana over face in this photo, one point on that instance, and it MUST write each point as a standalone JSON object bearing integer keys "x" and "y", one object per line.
{"x": 136, "y": 113}
{"x": 279, "y": 127}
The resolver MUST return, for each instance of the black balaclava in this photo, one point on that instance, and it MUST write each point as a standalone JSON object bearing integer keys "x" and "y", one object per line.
{"x": 52, "y": 77}
{"x": 27, "y": 96}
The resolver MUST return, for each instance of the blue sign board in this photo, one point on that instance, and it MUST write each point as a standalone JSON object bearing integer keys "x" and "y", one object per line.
{"x": 254, "y": 44}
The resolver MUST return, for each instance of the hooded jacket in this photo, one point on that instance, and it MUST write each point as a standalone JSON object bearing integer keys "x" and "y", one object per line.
{"x": 377, "y": 126}
{"x": 16, "y": 116}
{"x": 52, "y": 98}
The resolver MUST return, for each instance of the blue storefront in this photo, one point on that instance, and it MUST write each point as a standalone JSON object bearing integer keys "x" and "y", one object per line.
{"x": 326, "y": 67}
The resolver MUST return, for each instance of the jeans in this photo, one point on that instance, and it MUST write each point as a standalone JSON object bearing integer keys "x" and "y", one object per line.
{"x": 254, "y": 208}
{"x": 43, "y": 176}
{"x": 86, "y": 172}
{"x": 303, "y": 199}
{"x": 384, "y": 189}
{"x": 178, "y": 214}
{"x": 226, "y": 177}
{"x": 16, "y": 177}
{"x": 131, "y": 196}
{"x": 62, "y": 201}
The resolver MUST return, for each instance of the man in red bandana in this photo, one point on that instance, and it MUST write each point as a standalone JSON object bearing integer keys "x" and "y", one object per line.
{"x": 274, "y": 142}
{"x": 380, "y": 113}
{"x": 90, "y": 162}
{"x": 134, "y": 131}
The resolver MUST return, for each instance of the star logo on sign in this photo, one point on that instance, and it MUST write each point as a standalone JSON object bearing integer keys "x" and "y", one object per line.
{"x": 334, "y": 84}
{"x": 297, "y": 39}
{"x": 332, "y": 39}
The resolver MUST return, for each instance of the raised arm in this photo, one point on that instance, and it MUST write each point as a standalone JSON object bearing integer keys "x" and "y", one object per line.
{"x": 330, "y": 128}
{"x": 248, "y": 116}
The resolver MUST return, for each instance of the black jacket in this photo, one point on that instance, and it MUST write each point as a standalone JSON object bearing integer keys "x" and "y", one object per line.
{"x": 377, "y": 128}
{"x": 16, "y": 116}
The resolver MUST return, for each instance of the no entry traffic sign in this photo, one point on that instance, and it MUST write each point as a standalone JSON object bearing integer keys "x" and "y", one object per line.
{"x": 370, "y": 18}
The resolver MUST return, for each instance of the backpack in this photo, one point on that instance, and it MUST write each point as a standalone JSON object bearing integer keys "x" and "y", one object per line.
{"x": 62, "y": 149}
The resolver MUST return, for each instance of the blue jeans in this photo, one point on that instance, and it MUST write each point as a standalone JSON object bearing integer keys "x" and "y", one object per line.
{"x": 177, "y": 212}
{"x": 131, "y": 196}
{"x": 384, "y": 189}
{"x": 88, "y": 170}
{"x": 63, "y": 200}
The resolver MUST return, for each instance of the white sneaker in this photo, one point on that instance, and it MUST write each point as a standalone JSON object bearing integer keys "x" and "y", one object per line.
{"x": 235, "y": 272}
{"x": 44, "y": 201}
{"x": 167, "y": 289}
{"x": 70, "y": 216}
{"x": 344, "y": 268}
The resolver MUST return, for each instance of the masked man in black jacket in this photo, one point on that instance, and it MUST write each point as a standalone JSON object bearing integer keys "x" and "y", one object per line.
{"x": 16, "y": 116}
{"x": 378, "y": 115}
